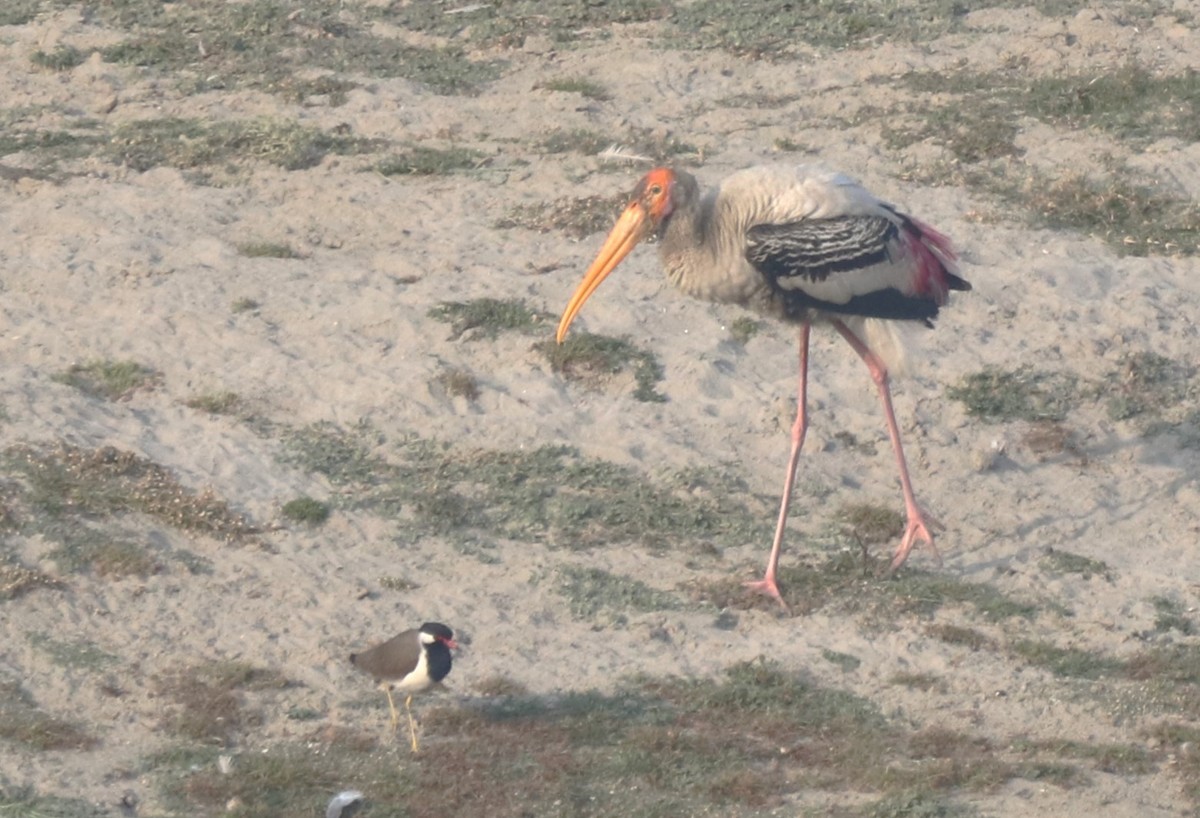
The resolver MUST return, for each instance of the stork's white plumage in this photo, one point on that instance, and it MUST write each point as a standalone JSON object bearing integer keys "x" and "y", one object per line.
{"x": 800, "y": 244}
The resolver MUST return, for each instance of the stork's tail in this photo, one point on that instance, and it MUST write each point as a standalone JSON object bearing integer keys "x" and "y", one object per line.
{"x": 937, "y": 261}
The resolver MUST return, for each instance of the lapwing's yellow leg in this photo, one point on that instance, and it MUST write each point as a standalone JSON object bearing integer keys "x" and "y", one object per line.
{"x": 412, "y": 725}
{"x": 392, "y": 707}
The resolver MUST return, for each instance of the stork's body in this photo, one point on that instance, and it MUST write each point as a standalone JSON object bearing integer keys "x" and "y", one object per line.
{"x": 799, "y": 244}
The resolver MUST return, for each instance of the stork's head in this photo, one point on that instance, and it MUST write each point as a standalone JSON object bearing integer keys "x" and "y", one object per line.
{"x": 652, "y": 203}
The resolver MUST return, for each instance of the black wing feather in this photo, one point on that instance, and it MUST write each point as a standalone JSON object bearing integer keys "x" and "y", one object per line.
{"x": 815, "y": 249}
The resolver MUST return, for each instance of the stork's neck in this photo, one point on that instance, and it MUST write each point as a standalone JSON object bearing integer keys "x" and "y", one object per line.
{"x": 701, "y": 250}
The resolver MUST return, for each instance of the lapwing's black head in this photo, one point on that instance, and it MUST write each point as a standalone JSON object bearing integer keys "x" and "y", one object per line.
{"x": 432, "y": 633}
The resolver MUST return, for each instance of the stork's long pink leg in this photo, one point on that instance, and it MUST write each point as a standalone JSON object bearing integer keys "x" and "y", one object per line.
{"x": 917, "y": 528}
{"x": 769, "y": 584}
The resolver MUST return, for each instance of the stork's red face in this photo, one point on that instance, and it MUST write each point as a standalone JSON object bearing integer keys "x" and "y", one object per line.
{"x": 642, "y": 217}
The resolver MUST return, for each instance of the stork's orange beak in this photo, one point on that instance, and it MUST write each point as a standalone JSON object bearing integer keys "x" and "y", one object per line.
{"x": 631, "y": 227}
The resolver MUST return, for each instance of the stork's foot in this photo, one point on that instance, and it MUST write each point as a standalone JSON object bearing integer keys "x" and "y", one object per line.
{"x": 919, "y": 529}
{"x": 768, "y": 587}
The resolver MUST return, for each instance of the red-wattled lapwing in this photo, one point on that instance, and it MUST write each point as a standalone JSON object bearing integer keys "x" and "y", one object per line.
{"x": 410, "y": 662}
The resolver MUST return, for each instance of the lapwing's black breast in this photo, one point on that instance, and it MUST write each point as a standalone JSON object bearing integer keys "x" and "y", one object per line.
{"x": 437, "y": 660}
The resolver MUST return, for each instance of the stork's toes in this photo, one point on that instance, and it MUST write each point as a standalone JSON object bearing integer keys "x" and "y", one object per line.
{"x": 768, "y": 587}
{"x": 917, "y": 530}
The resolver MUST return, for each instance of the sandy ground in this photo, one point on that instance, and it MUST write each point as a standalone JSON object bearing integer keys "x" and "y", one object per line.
{"x": 124, "y": 265}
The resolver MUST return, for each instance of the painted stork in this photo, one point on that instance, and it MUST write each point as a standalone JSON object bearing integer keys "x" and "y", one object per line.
{"x": 802, "y": 245}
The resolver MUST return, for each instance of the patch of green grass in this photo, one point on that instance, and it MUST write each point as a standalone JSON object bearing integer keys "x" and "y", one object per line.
{"x": 953, "y": 634}
{"x": 1182, "y": 740}
{"x": 1064, "y": 562}
{"x": 111, "y": 380}
{"x": 1018, "y": 394}
{"x": 1128, "y": 101}
{"x": 24, "y": 802}
{"x": 1154, "y": 391}
{"x": 1048, "y": 438}
{"x": 290, "y": 778}
{"x": 871, "y": 523}
{"x": 306, "y": 510}
{"x": 578, "y": 140}
{"x": 1134, "y": 217}
{"x": 242, "y": 305}
{"x": 267, "y": 249}
{"x": 844, "y": 661}
{"x": 108, "y": 556}
{"x": 788, "y": 145}
{"x": 772, "y": 29}
{"x": 195, "y": 564}
{"x": 209, "y": 699}
{"x": 17, "y": 580}
{"x": 189, "y": 144}
{"x": 743, "y": 328}
{"x": 19, "y": 12}
{"x": 394, "y": 583}
{"x": 851, "y": 442}
{"x": 444, "y": 70}
{"x": 107, "y": 553}
{"x": 1147, "y": 386}
{"x": 268, "y": 45}
{"x": 593, "y": 359}
{"x": 1170, "y": 614}
{"x": 578, "y": 218}
{"x": 550, "y": 494}
{"x": 422, "y": 160}
{"x": 46, "y": 146}
{"x": 295, "y": 713}
{"x": 591, "y": 591}
{"x": 216, "y": 403}
{"x": 489, "y": 317}
{"x": 746, "y": 743}
{"x": 981, "y": 127}
{"x": 303, "y": 91}
{"x": 762, "y": 99}
{"x": 585, "y": 87}
{"x": 924, "y": 593}
{"x": 77, "y": 653}
{"x": 1074, "y": 663}
{"x": 63, "y": 58}
{"x": 459, "y": 383}
{"x": 26, "y": 725}
{"x": 918, "y": 803}
{"x": 508, "y": 23}
{"x": 1119, "y": 759}
{"x": 60, "y": 485}
{"x": 1177, "y": 664}
{"x": 850, "y": 582}
{"x": 919, "y": 681}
